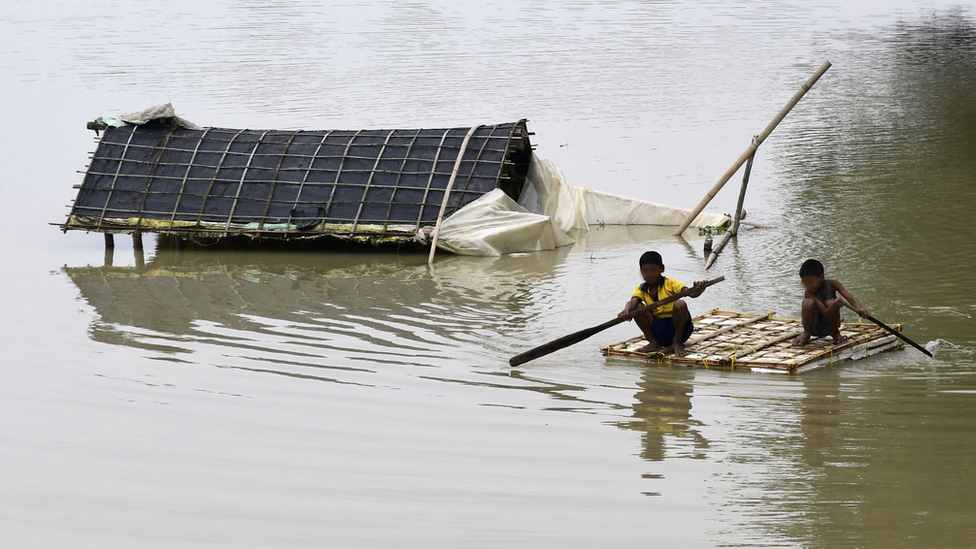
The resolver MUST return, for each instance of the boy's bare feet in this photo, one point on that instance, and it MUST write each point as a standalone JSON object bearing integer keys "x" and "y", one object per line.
{"x": 839, "y": 338}
{"x": 801, "y": 340}
{"x": 651, "y": 347}
{"x": 679, "y": 348}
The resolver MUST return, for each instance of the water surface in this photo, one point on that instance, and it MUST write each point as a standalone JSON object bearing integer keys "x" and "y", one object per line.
{"x": 216, "y": 397}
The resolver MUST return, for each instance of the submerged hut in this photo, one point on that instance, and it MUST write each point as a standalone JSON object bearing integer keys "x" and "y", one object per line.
{"x": 155, "y": 172}
{"x": 172, "y": 178}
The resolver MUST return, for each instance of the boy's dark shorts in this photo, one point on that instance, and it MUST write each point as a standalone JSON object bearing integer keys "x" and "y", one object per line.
{"x": 820, "y": 326}
{"x": 663, "y": 330}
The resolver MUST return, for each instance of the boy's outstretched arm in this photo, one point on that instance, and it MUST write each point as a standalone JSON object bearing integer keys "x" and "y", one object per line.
{"x": 850, "y": 299}
{"x": 630, "y": 306}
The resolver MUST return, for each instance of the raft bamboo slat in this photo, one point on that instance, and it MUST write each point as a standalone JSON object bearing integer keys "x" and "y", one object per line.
{"x": 762, "y": 343}
{"x": 708, "y": 334}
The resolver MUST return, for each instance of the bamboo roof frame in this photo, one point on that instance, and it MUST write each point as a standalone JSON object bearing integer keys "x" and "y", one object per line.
{"x": 280, "y": 184}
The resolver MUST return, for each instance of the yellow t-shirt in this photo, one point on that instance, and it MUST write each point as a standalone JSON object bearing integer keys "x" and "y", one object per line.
{"x": 670, "y": 287}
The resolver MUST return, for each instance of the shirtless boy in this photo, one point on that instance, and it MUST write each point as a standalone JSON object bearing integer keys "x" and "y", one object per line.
{"x": 821, "y": 304}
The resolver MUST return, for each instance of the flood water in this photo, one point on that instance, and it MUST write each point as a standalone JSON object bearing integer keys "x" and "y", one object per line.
{"x": 222, "y": 398}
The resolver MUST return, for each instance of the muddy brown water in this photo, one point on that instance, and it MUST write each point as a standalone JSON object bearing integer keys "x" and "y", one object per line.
{"x": 229, "y": 398}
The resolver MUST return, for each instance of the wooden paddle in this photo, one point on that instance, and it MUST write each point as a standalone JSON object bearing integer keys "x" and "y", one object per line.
{"x": 572, "y": 339}
{"x": 890, "y": 329}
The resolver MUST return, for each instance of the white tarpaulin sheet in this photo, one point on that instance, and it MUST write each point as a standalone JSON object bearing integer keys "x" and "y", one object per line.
{"x": 495, "y": 224}
{"x": 613, "y": 209}
{"x": 546, "y": 213}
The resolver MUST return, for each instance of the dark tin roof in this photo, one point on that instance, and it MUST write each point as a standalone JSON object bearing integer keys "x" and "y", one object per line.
{"x": 214, "y": 182}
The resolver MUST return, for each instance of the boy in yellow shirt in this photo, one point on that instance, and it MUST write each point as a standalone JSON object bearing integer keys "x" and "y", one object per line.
{"x": 670, "y": 323}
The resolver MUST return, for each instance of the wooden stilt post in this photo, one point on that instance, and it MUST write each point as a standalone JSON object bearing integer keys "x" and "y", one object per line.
{"x": 717, "y": 249}
{"x": 752, "y": 147}
{"x": 742, "y": 194}
{"x": 137, "y": 250}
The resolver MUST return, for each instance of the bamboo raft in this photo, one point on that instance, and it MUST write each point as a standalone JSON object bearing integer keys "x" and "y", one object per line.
{"x": 763, "y": 343}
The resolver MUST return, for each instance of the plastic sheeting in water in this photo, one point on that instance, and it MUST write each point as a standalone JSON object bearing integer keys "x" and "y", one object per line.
{"x": 547, "y": 214}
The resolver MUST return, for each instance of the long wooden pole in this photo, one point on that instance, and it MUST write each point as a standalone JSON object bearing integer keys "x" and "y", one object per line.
{"x": 742, "y": 195}
{"x": 752, "y": 147}
{"x": 892, "y": 330}
{"x": 574, "y": 338}
{"x": 734, "y": 231}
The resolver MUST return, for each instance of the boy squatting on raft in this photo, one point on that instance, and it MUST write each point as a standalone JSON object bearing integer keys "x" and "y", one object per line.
{"x": 821, "y": 305}
{"x": 667, "y": 323}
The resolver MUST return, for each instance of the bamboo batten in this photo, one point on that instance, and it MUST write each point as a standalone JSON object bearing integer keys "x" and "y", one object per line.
{"x": 447, "y": 193}
{"x": 700, "y": 338}
{"x": 757, "y": 141}
{"x": 754, "y": 348}
{"x": 754, "y": 224}
{"x": 763, "y": 343}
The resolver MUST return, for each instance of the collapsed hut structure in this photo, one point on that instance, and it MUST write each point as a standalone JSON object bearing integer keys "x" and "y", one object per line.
{"x": 156, "y": 172}
{"x": 370, "y": 184}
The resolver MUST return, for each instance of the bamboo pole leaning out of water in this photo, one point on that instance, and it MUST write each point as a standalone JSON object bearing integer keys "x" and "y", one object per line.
{"x": 742, "y": 192}
{"x": 752, "y": 147}
{"x": 737, "y": 218}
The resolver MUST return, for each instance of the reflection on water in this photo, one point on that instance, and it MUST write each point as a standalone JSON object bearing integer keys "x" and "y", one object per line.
{"x": 888, "y": 455}
{"x": 662, "y": 414}
{"x": 322, "y": 311}
{"x": 354, "y": 317}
